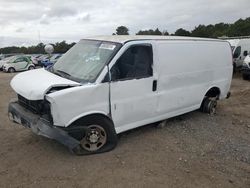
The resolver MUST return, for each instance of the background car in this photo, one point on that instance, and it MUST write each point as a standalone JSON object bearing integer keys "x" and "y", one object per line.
{"x": 246, "y": 68}
{"x": 42, "y": 58}
{"x": 50, "y": 61}
{"x": 18, "y": 63}
{"x": 5, "y": 60}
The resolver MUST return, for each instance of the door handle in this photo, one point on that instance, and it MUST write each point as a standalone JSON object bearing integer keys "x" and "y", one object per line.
{"x": 154, "y": 88}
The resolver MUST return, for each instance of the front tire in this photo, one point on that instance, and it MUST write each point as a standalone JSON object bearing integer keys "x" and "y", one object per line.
{"x": 98, "y": 135}
{"x": 11, "y": 70}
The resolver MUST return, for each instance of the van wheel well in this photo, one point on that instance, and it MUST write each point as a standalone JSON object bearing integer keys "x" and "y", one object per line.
{"x": 209, "y": 102}
{"x": 213, "y": 92}
{"x": 91, "y": 116}
{"x": 95, "y": 132}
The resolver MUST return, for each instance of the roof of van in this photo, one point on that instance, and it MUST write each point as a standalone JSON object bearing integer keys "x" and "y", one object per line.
{"x": 126, "y": 38}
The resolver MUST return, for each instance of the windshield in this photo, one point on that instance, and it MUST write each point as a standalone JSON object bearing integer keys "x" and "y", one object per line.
{"x": 84, "y": 61}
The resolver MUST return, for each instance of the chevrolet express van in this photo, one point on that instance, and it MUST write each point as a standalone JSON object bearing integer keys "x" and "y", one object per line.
{"x": 106, "y": 85}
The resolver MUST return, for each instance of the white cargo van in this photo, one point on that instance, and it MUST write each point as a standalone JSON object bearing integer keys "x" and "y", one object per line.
{"x": 104, "y": 86}
{"x": 241, "y": 48}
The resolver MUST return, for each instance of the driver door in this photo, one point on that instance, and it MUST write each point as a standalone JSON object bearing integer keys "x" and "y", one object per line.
{"x": 20, "y": 63}
{"x": 133, "y": 88}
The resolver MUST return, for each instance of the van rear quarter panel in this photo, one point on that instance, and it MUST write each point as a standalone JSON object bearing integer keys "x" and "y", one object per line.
{"x": 188, "y": 69}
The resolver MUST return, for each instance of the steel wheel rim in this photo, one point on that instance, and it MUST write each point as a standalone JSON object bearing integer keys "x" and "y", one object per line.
{"x": 95, "y": 137}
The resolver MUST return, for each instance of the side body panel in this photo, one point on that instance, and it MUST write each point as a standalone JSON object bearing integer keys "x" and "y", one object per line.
{"x": 19, "y": 66}
{"x": 185, "y": 71}
{"x": 71, "y": 104}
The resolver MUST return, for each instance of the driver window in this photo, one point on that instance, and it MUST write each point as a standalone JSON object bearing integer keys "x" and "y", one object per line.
{"x": 19, "y": 60}
{"x": 136, "y": 62}
{"x": 237, "y": 52}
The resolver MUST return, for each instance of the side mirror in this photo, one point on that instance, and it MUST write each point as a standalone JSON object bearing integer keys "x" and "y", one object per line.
{"x": 245, "y": 53}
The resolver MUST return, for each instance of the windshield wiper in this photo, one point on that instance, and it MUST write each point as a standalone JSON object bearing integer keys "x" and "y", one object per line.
{"x": 63, "y": 72}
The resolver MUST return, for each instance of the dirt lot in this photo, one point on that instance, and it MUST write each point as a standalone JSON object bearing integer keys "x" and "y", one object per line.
{"x": 193, "y": 150}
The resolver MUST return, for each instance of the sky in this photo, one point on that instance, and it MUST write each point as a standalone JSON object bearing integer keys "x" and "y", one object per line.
{"x": 28, "y": 22}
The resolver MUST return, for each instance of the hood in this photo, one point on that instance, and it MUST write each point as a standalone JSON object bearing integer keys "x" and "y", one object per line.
{"x": 34, "y": 84}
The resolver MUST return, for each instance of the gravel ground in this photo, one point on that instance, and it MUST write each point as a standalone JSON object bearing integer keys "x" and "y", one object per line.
{"x": 192, "y": 150}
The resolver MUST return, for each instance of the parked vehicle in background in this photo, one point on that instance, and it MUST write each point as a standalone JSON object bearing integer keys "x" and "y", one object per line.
{"x": 107, "y": 85}
{"x": 3, "y": 61}
{"x": 50, "y": 61}
{"x": 3, "y": 56}
{"x": 241, "y": 48}
{"x": 42, "y": 58}
{"x": 33, "y": 59}
{"x": 18, "y": 63}
{"x": 246, "y": 68}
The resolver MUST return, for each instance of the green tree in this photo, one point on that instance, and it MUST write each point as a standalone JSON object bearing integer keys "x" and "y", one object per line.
{"x": 122, "y": 30}
{"x": 182, "y": 32}
{"x": 165, "y": 32}
{"x": 149, "y": 32}
{"x": 200, "y": 31}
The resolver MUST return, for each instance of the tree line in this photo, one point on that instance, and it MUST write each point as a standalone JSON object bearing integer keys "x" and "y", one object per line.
{"x": 239, "y": 28}
{"x": 59, "y": 47}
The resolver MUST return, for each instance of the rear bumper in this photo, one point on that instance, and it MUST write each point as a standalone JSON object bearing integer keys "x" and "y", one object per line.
{"x": 39, "y": 126}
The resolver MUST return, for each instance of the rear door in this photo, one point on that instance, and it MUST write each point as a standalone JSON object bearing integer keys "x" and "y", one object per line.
{"x": 132, "y": 89}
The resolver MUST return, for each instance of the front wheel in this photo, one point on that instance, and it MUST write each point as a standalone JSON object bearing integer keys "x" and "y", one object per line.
{"x": 11, "y": 70}
{"x": 97, "y": 136}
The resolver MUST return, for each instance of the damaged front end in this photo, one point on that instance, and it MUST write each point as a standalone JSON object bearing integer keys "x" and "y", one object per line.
{"x": 36, "y": 116}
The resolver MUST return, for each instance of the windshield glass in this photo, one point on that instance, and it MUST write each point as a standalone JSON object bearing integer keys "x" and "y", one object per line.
{"x": 84, "y": 61}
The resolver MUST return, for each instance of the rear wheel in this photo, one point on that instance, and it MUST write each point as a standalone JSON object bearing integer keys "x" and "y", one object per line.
{"x": 97, "y": 135}
{"x": 31, "y": 67}
{"x": 11, "y": 70}
{"x": 209, "y": 106}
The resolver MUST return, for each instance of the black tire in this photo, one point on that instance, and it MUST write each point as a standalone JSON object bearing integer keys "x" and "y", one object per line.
{"x": 83, "y": 134}
{"x": 11, "y": 70}
{"x": 31, "y": 67}
{"x": 209, "y": 106}
{"x": 245, "y": 76}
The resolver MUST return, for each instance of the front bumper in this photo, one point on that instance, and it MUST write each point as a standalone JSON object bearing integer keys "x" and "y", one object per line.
{"x": 40, "y": 126}
{"x": 4, "y": 69}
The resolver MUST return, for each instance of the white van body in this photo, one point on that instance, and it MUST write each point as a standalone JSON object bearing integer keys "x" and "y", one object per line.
{"x": 241, "y": 48}
{"x": 184, "y": 70}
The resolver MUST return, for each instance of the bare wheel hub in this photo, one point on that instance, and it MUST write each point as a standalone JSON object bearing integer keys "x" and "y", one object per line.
{"x": 95, "y": 137}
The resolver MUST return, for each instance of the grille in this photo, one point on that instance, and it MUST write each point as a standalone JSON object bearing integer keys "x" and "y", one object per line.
{"x": 39, "y": 107}
{"x": 34, "y": 106}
